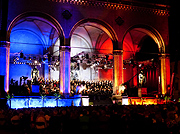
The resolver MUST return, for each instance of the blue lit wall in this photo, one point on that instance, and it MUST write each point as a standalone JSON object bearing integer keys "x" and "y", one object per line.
{"x": 3, "y": 61}
{"x": 28, "y": 42}
{"x": 3, "y": 65}
{"x": 33, "y": 36}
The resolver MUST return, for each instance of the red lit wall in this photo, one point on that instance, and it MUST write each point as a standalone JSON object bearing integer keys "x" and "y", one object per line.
{"x": 105, "y": 74}
{"x": 128, "y": 73}
{"x": 106, "y": 48}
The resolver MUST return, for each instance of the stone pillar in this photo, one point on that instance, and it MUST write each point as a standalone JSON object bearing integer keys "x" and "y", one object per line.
{"x": 163, "y": 74}
{"x": 118, "y": 70}
{"x": 4, "y": 62}
{"x": 64, "y": 74}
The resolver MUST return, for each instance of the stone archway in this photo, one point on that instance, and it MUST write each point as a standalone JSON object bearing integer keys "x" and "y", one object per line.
{"x": 99, "y": 24}
{"x": 46, "y": 16}
{"x": 104, "y": 31}
{"x": 136, "y": 33}
{"x": 41, "y": 32}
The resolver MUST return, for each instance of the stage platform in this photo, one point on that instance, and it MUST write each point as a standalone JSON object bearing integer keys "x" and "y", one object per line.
{"x": 142, "y": 101}
{"x": 46, "y": 101}
{"x": 125, "y": 100}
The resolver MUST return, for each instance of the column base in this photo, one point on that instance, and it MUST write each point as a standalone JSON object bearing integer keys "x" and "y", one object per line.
{"x": 66, "y": 95}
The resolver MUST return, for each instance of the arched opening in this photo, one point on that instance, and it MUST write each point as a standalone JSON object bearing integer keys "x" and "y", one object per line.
{"x": 34, "y": 45}
{"x": 92, "y": 51}
{"x": 143, "y": 48}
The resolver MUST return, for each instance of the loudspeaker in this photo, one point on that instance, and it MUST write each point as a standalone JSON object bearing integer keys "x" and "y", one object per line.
{"x": 119, "y": 20}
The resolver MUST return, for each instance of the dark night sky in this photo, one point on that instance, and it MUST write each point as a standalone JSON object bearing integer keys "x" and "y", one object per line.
{"x": 174, "y": 30}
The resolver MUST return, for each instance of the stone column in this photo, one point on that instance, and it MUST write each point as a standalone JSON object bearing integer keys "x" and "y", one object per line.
{"x": 64, "y": 74}
{"x": 163, "y": 74}
{"x": 4, "y": 62}
{"x": 117, "y": 70}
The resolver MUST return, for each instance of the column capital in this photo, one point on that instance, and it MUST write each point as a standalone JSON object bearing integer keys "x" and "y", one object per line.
{"x": 4, "y": 44}
{"x": 65, "y": 48}
{"x": 164, "y": 56}
{"x": 117, "y": 52}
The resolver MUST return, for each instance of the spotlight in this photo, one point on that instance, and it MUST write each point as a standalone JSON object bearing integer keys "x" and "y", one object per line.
{"x": 131, "y": 61}
{"x": 35, "y": 61}
{"x": 29, "y": 58}
{"x": 57, "y": 63}
{"x": 105, "y": 66}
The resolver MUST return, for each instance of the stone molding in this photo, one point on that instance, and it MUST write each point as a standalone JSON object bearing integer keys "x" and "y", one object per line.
{"x": 4, "y": 44}
{"x": 152, "y": 9}
{"x": 65, "y": 48}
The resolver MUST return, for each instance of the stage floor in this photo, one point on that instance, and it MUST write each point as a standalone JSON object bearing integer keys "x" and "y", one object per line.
{"x": 125, "y": 100}
{"x": 47, "y": 101}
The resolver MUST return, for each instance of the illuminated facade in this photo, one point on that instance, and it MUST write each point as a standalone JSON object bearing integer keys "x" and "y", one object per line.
{"x": 50, "y": 33}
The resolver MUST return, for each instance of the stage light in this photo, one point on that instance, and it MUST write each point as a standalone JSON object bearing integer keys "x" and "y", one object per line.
{"x": 29, "y": 58}
{"x": 35, "y": 61}
{"x": 57, "y": 63}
